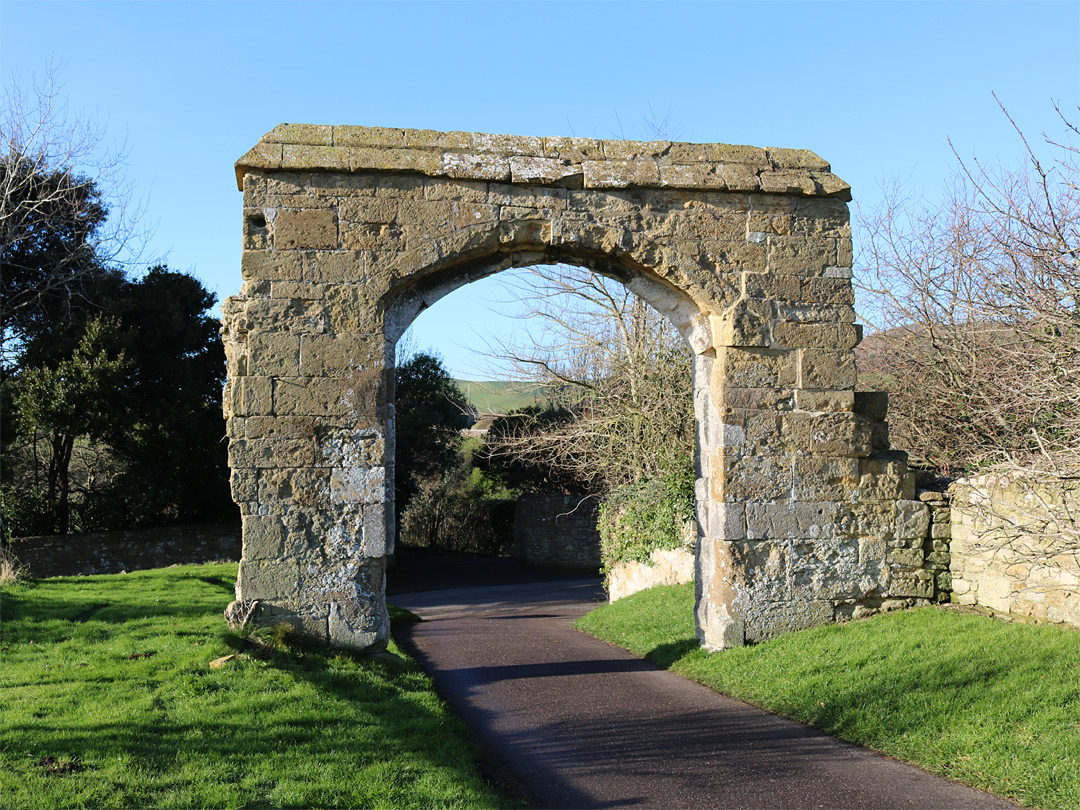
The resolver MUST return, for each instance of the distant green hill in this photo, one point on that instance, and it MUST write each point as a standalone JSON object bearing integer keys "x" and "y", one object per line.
{"x": 498, "y": 397}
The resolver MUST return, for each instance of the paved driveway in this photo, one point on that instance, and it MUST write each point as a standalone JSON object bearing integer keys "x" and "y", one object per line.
{"x": 580, "y": 723}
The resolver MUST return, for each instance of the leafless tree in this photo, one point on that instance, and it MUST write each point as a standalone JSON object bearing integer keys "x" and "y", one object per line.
{"x": 618, "y": 366}
{"x": 976, "y": 304}
{"x": 65, "y": 207}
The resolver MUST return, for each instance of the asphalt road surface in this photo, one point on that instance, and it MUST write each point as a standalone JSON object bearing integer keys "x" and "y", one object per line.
{"x": 576, "y": 723}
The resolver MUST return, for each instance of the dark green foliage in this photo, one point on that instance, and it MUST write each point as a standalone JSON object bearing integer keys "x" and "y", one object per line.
{"x": 454, "y": 512}
{"x": 125, "y": 429}
{"x": 172, "y": 438}
{"x": 49, "y": 261}
{"x": 430, "y": 411}
{"x": 637, "y": 518}
{"x": 78, "y": 398}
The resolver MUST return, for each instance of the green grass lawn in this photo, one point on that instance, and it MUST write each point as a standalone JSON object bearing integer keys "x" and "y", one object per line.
{"x": 107, "y": 700}
{"x": 990, "y": 704}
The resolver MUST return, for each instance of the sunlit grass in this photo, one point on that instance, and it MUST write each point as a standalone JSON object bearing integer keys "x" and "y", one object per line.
{"x": 107, "y": 699}
{"x": 990, "y": 704}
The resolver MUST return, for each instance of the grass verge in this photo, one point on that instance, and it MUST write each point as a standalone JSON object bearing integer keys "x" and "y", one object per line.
{"x": 987, "y": 703}
{"x": 107, "y": 699}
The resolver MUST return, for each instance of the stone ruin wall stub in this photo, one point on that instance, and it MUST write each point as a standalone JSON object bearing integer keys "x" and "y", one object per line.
{"x": 351, "y": 232}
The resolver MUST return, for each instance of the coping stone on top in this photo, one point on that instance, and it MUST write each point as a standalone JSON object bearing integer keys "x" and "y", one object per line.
{"x": 548, "y": 161}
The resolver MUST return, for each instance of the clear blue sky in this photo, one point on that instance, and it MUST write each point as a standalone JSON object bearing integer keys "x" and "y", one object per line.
{"x": 876, "y": 88}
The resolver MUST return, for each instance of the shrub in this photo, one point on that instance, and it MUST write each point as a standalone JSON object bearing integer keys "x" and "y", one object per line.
{"x": 638, "y": 518}
{"x": 450, "y": 513}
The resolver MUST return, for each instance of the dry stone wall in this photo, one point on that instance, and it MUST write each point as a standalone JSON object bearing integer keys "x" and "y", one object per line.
{"x": 557, "y": 531}
{"x": 351, "y": 232}
{"x": 1016, "y": 547}
{"x": 67, "y": 555}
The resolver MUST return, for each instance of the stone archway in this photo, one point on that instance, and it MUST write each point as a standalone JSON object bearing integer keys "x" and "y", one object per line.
{"x": 350, "y": 232}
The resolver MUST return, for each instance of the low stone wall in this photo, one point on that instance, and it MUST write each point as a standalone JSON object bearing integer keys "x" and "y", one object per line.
{"x": 113, "y": 552}
{"x": 558, "y": 531}
{"x": 669, "y": 566}
{"x": 672, "y": 566}
{"x": 1016, "y": 547}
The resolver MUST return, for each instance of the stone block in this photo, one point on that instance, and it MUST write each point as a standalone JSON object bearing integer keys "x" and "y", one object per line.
{"x": 748, "y": 367}
{"x": 264, "y": 537}
{"x": 461, "y": 190}
{"x": 801, "y": 256}
{"x": 368, "y": 136}
{"x": 788, "y": 181}
{"x": 244, "y": 484}
{"x": 815, "y": 313}
{"x": 279, "y": 427}
{"x": 374, "y": 210}
{"x": 424, "y": 161}
{"x": 274, "y": 354}
{"x": 544, "y": 171}
{"x": 912, "y": 557}
{"x": 274, "y": 581}
{"x": 771, "y": 521}
{"x": 872, "y": 550}
{"x": 574, "y": 150}
{"x": 747, "y": 324}
{"x": 299, "y": 156}
{"x": 756, "y": 478}
{"x": 823, "y": 479}
{"x": 772, "y": 288}
{"x": 774, "y": 399}
{"x": 906, "y": 583}
{"x": 350, "y": 308}
{"x": 271, "y": 453}
{"x": 364, "y": 236}
{"x": 836, "y": 336}
{"x": 428, "y": 139}
{"x": 299, "y": 229}
{"x": 476, "y": 167}
{"x": 941, "y": 531}
{"x": 473, "y": 215}
{"x": 357, "y": 485}
{"x": 314, "y": 396}
{"x": 824, "y": 401}
{"x": 692, "y": 176}
{"x": 293, "y": 315}
{"x": 311, "y": 134}
{"x": 770, "y": 619}
{"x": 912, "y": 520}
{"x": 722, "y": 521}
{"x": 336, "y": 355}
{"x": 251, "y": 396}
{"x": 840, "y": 434}
{"x": 270, "y": 265}
{"x": 796, "y": 159}
{"x": 828, "y": 291}
{"x": 620, "y": 173}
{"x": 826, "y": 369}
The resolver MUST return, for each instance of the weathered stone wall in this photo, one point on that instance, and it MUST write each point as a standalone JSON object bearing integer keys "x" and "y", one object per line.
{"x": 68, "y": 555}
{"x": 668, "y": 566}
{"x": 558, "y": 531}
{"x": 1016, "y": 547}
{"x": 351, "y": 232}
